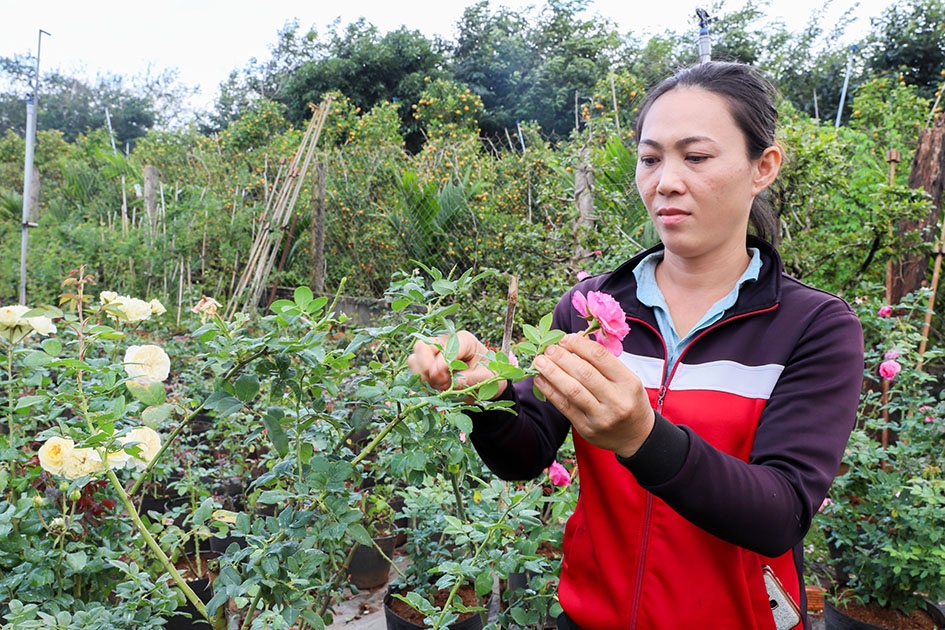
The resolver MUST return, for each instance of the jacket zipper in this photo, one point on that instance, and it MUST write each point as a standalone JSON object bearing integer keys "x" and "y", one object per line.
{"x": 661, "y": 395}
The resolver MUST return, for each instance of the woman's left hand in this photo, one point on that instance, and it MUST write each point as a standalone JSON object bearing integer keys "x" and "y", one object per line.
{"x": 604, "y": 400}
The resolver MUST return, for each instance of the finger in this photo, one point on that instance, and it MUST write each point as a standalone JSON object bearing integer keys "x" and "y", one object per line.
{"x": 427, "y": 361}
{"x": 585, "y": 375}
{"x": 605, "y": 363}
{"x": 565, "y": 392}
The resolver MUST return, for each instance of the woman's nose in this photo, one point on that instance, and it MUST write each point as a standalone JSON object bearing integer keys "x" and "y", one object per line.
{"x": 670, "y": 179}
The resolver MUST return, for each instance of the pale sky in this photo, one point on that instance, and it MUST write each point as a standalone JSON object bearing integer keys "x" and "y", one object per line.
{"x": 206, "y": 39}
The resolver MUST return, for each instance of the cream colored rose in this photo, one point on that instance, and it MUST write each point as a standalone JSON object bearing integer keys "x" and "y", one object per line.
{"x": 42, "y": 325}
{"x": 10, "y": 315}
{"x": 148, "y": 364}
{"x": 116, "y": 459}
{"x": 157, "y": 308}
{"x": 53, "y": 454}
{"x": 81, "y": 462}
{"x": 134, "y": 310}
{"x": 146, "y": 439}
{"x": 13, "y": 327}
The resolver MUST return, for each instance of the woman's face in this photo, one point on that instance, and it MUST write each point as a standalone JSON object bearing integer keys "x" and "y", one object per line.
{"x": 694, "y": 174}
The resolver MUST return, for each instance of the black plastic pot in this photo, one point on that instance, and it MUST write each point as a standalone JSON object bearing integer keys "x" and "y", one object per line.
{"x": 370, "y": 569}
{"x": 187, "y": 617}
{"x": 396, "y": 622}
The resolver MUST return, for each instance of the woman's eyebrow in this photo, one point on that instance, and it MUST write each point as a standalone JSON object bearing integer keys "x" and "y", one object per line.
{"x": 679, "y": 144}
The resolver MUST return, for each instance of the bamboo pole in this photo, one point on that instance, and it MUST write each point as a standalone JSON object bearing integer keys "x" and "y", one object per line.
{"x": 277, "y": 215}
{"x": 936, "y": 273}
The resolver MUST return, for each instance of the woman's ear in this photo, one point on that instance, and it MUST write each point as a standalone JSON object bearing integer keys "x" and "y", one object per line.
{"x": 767, "y": 168}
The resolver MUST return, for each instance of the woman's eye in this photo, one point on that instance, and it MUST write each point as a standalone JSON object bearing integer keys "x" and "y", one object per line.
{"x": 647, "y": 160}
{"x": 697, "y": 158}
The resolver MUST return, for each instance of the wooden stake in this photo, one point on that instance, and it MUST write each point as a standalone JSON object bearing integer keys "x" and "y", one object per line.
{"x": 510, "y": 314}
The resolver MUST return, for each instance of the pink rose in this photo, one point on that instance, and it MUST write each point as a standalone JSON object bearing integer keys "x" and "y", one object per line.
{"x": 582, "y": 275}
{"x": 890, "y": 355}
{"x": 884, "y": 311}
{"x": 889, "y": 369}
{"x": 608, "y": 321}
{"x": 559, "y": 475}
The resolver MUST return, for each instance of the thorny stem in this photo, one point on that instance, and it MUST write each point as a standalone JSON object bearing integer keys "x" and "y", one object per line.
{"x": 216, "y": 622}
{"x": 11, "y": 433}
{"x": 460, "y": 508}
{"x": 173, "y": 435}
{"x": 479, "y": 548}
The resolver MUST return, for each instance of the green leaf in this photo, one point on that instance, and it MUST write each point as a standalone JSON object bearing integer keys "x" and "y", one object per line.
{"x": 204, "y": 512}
{"x": 77, "y": 560}
{"x": 246, "y": 387}
{"x": 484, "y": 583}
{"x": 52, "y": 347}
{"x": 277, "y": 435}
{"x": 151, "y": 394}
{"x": 27, "y": 401}
{"x": 154, "y": 416}
{"x": 462, "y": 422}
{"x": 223, "y": 403}
{"x": 443, "y": 287}
{"x": 273, "y": 496}
{"x": 400, "y": 304}
{"x": 531, "y": 333}
{"x": 37, "y": 359}
{"x": 488, "y": 390}
{"x": 303, "y": 296}
{"x": 360, "y": 534}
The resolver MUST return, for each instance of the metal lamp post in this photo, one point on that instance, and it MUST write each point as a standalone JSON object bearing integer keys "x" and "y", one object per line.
{"x": 28, "y": 168}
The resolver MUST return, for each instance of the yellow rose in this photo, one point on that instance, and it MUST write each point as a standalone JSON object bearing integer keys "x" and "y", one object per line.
{"x": 81, "y": 462}
{"x": 146, "y": 439}
{"x": 148, "y": 364}
{"x": 157, "y": 308}
{"x": 53, "y": 453}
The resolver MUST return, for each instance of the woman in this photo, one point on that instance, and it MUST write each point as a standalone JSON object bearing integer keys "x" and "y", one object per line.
{"x": 706, "y": 447}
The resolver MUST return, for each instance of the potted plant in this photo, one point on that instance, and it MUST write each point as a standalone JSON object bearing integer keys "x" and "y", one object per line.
{"x": 884, "y": 514}
{"x": 369, "y": 566}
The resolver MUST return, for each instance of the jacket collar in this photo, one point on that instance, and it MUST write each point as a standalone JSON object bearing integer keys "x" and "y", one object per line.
{"x": 753, "y": 296}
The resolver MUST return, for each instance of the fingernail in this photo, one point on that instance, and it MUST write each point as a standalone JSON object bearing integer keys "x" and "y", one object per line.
{"x": 540, "y": 363}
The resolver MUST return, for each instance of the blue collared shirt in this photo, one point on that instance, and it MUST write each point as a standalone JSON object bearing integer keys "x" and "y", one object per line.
{"x": 649, "y": 294}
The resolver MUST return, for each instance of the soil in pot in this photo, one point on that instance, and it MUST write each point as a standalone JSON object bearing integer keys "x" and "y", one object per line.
{"x": 853, "y": 616}
{"x": 401, "y": 616}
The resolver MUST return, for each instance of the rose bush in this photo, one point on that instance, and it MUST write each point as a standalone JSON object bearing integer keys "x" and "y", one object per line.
{"x": 884, "y": 514}
{"x": 285, "y": 393}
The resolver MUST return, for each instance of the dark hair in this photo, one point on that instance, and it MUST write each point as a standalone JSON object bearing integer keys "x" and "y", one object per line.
{"x": 751, "y": 101}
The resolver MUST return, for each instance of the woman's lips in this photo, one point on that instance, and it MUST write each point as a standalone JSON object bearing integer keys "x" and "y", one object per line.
{"x": 671, "y": 216}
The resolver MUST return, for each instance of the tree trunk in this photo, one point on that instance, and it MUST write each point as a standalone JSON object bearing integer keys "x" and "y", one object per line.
{"x": 928, "y": 173}
{"x": 584, "y": 200}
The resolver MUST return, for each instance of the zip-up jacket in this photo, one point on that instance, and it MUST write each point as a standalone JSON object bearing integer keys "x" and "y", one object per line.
{"x": 751, "y": 423}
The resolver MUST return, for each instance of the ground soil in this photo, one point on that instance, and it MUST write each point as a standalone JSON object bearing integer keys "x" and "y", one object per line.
{"x": 403, "y": 610}
{"x": 887, "y": 618}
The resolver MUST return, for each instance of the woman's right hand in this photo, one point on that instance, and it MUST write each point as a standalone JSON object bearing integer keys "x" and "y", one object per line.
{"x": 428, "y": 362}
